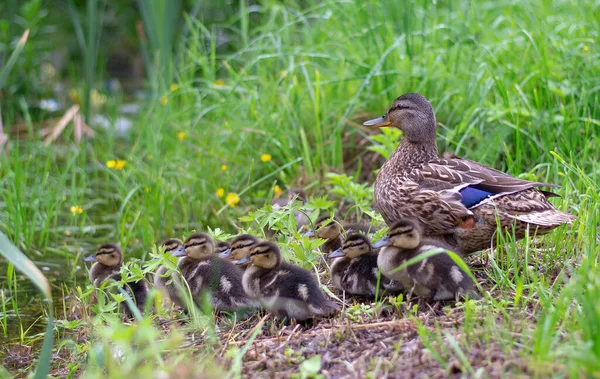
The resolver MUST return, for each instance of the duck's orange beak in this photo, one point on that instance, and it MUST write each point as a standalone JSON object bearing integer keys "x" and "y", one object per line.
{"x": 378, "y": 122}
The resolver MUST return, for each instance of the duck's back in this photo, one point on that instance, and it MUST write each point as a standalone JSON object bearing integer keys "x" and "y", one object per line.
{"x": 218, "y": 277}
{"x": 293, "y": 291}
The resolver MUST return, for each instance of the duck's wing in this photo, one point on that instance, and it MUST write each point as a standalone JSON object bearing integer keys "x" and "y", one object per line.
{"x": 471, "y": 181}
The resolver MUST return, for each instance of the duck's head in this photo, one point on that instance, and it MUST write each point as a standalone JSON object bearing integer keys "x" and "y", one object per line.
{"x": 404, "y": 234}
{"x": 412, "y": 114}
{"x": 241, "y": 247}
{"x": 173, "y": 246}
{"x": 109, "y": 255}
{"x": 327, "y": 228}
{"x": 199, "y": 246}
{"x": 354, "y": 246}
{"x": 222, "y": 246}
{"x": 264, "y": 255}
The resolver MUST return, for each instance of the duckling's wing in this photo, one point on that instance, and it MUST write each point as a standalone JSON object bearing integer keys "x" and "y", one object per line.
{"x": 474, "y": 181}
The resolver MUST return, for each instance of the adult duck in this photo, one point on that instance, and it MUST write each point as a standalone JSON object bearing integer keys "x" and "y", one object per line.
{"x": 454, "y": 199}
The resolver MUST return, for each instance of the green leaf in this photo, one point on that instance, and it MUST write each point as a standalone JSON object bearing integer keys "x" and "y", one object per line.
{"x": 311, "y": 367}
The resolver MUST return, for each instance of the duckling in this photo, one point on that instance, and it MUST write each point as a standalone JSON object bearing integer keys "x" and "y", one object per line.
{"x": 204, "y": 272}
{"x": 282, "y": 288}
{"x": 331, "y": 230}
{"x": 355, "y": 269}
{"x": 240, "y": 247}
{"x": 166, "y": 284}
{"x": 438, "y": 276}
{"x": 108, "y": 261}
{"x": 222, "y": 246}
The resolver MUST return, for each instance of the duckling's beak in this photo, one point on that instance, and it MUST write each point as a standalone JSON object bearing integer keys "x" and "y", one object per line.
{"x": 382, "y": 242}
{"x": 337, "y": 253}
{"x": 225, "y": 253}
{"x": 310, "y": 233}
{"x": 243, "y": 261}
{"x": 179, "y": 252}
{"x": 91, "y": 258}
{"x": 378, "y": 122}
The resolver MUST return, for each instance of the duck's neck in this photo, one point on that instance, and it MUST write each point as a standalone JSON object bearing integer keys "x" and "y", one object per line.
{"x": 409, "y": 154}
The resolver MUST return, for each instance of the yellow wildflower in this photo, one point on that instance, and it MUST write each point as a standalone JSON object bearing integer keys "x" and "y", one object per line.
{"x": 97, "y": 99}
{"x": 219, "y": 83}
{"x": 74, "y": 95}
{"x": 277, "y": 190}
{"x": 174, "y": 87}
{"x": 146, "y": 189}
{"x": 164, "y": 100}
{"x": 265, "y": 157}
{"x": 67, "y": 232}
{"x": 220, "y": 192}
{"x": 181, "y": 136}
{"x": 232, "y": 199}
{"x": 585, "y": 48}
{"x": 120, "y": 165}
{"x": 111, "y": 164}
{"x": 76, "y": 210}
{"x": 223, "y": 168}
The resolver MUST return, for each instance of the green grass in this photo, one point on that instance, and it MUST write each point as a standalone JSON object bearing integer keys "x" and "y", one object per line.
{"x": 514, "y": 85}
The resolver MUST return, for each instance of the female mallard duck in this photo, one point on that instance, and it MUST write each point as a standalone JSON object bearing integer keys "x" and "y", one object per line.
{"x": 355, "y": 269}
{"x": 438, "y": 276}
{"x": 456, "y": 200}
{"x": 282, "y": 288}
{"x": 108, "y": 260}
{"x": 166, "y": 284}
{"x": 206, "y": 273}
{"x": 240, "y": 248}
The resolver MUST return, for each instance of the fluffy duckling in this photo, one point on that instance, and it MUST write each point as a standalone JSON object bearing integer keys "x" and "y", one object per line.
{"x": 222, "y": 246}
{"x": 205, "y": 272}
{"x": 166, "y": 284}
{"x": 240, "y": 248}
{"x": 108, "y": 260}
{"x": 284, "y": 289}
{"x": 329, "y": 229}
{"x": 355, "y": 269}
{"x": 438, "y": 276}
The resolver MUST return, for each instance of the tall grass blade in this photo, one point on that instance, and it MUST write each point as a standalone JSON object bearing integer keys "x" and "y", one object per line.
{"x": 13, "y": 58}
{"x": 24, "y": 265}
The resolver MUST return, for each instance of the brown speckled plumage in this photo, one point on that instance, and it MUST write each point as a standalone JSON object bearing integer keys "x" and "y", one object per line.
{"x": 415, "y": 183}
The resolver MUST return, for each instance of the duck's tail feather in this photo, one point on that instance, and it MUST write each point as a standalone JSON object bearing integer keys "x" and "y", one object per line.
{"x": 550, "y": 218}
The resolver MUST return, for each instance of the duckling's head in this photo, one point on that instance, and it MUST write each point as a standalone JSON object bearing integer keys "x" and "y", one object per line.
{"x": 264, "y": 255}
{"x": 241, "y": 247}
{"x": 222, "y": 246}
{"x": 172, "y": 246}
{"x": 109, "y": 255}
{"x": 354, "y": 246}
{"x": 199, "y": 246}
{"x": 412, "y": 114}
{"x": 404, "y": 234}
{"x": 327, "y": 228}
